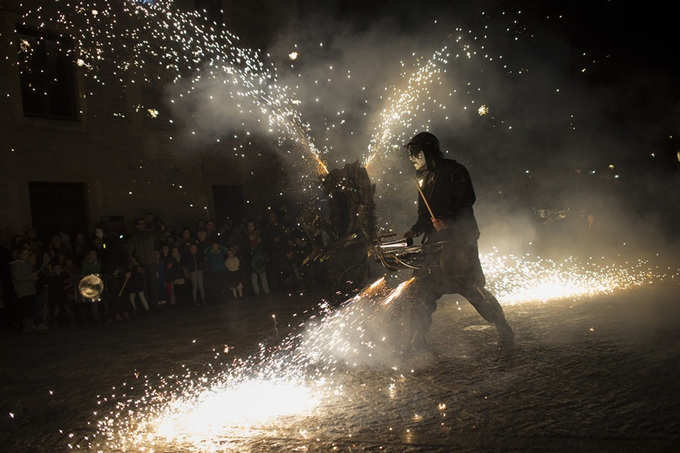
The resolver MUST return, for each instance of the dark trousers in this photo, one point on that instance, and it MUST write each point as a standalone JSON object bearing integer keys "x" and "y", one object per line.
{"x": 215, "y": 286}
{"x": 453, "y": 270}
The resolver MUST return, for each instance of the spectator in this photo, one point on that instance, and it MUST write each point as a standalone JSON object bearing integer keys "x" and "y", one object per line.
{"x": 215, "y": 270}
{"x": 164, "y": 278}
{"x": 258, "y": 261}
{"x": 141, "y": 247}
{"x": 151, "y": 223}
{"x": 24, "y": 281}
{"x": 276, "y": 242}
{"x": 91, "y": 264}
{"x": 55, "y": 248}
{"x": 211, "y": 231}
{"x": 195, "y": 265}
{"x": 158, "y": 279}
{"x": 234, "y": 273}
{"x": 202, "y": 241}
{"x": 185, "y": 243}
{"x": 176, "y": 275}
{"x": 57, "y": 285}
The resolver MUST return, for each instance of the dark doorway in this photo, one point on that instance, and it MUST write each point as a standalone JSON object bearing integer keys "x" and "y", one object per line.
{"x": 58, "y": 206}
{"x": 228, "y": 203}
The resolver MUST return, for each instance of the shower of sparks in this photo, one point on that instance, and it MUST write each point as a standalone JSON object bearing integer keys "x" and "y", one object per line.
{"x": 398, "y": 291}
{"x": 529, "y": 278}
{"x": 374, "y": 288}
{"x": 150, "y": 44}
{"x": 268, "y": 392}
{"x": 145, "y": 44}
{"x": 417, "y": 94}
{"x": 259, "y": 402}
{"x": 396, "y": 118}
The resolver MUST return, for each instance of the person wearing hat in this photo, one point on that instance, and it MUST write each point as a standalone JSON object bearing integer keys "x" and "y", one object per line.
{"x": 445, "y": 216}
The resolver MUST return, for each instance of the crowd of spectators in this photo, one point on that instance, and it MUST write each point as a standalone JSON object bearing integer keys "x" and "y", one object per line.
{"x": 152, "y": 268}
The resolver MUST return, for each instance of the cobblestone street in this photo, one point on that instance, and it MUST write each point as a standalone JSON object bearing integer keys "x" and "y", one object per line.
{"x": 592, "y": 375}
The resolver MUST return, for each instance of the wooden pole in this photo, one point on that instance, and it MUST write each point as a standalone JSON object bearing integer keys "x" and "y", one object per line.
{"x": 427, "y": 205}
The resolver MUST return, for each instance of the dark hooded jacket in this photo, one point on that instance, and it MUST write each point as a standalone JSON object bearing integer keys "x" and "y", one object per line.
{"x": 448, "y": 189}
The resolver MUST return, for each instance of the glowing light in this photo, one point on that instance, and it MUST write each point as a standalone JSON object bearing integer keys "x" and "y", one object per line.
{"x": 374, "y": 288}
{"x": 529, "y": 278}
{"x": 482, "y": 110}
{"x": 398, "y": 291}
{"x": 293, "y": 55}
{"x": 396, "y": 118}
{"x": 281, "y": 385}
{"x": 232, "y": 410}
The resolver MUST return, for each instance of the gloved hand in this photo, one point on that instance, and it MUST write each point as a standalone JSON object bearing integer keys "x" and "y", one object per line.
{"x": 438, "y": 224}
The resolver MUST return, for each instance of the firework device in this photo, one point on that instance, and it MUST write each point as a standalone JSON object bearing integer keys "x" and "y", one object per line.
{"x": 402, "y": 253}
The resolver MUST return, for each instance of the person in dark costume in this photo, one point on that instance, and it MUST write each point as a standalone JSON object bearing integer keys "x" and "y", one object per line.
{"x": 445, "y": 217}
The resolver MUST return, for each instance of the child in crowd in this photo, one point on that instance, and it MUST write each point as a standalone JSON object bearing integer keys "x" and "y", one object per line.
{"x": 234, "y": 273}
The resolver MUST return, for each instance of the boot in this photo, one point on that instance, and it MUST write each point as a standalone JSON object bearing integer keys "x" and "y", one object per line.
{"x": 506, "y": 337}
{"x": 418, "y": 343}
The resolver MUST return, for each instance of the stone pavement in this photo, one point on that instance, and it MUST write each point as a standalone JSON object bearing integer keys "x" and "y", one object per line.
{"x": 593, "y": 375}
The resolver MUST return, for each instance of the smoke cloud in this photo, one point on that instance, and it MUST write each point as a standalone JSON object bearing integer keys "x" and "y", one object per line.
{"x": 552, "y": 164}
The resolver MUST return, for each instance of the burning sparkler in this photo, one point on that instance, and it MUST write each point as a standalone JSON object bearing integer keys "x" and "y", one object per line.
{"x": 529, "y": 278}
{"x": 291, "y": 381}
{"x": 398, "y": 291}
{"x": 396, "y": 118}
{"x": 257, "y": 391}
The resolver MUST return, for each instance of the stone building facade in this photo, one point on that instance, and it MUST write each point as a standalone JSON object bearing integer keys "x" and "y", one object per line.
{"x": 66, "y": 166}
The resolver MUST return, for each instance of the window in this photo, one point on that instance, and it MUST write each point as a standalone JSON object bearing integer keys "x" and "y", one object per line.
{"x": 48, "y": 83}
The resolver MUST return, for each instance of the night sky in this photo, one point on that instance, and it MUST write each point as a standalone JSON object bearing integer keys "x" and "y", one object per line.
{"x": 598, "y": 89}
{"x": 628, "y": 94}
